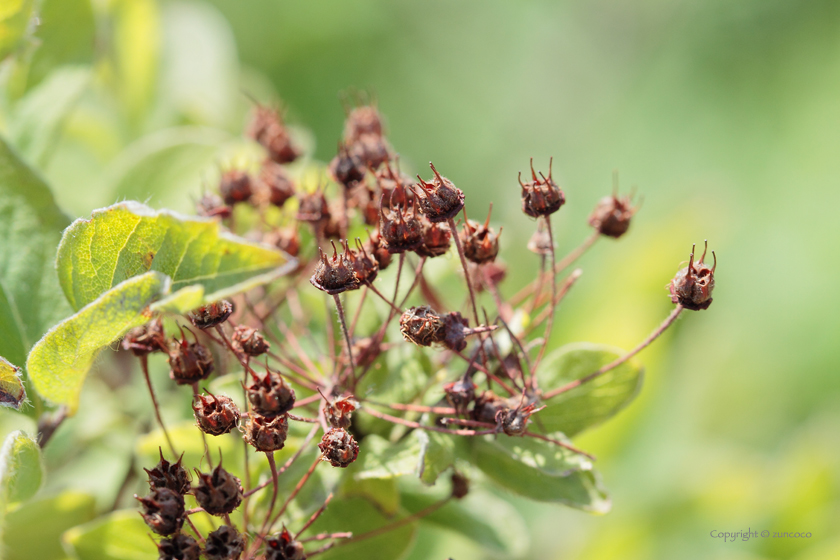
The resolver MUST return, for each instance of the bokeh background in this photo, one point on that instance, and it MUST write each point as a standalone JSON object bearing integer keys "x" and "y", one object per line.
{"x": 724, "y": 115}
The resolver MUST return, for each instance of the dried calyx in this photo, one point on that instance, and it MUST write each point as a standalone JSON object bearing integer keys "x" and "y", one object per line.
{"x": 179, "y": 547}
{"x": 541, "y": 196}
{"x": 612, "y": 214}
{"x": 424, "y": 326}
{"x": 436, "y": 240}
{"x": 235, "y": 186}
{"x": 376, "y": 247}
{"x": 215, "y": 415}
{"x": 146, "y": 339}
{"x": 460, "y": 394}
{"x": 399, "y": 225}
{"x": 189, "y": 362}
{"x": 338, "y": 413}
{"x": 481, "y": 243}
{"x": 347, "y": 168}
{"x": 268, "y": 129}
{"x": 440, "y": 199}
{"x": 286, "y": 239}
{"x": 270, "y": 394}
{"x": 335, "y": 275}
{"x": 274, "y": 186}
{"x": 163, "y": 510}
{"x": 212, "y": 206}
{"x": 212, "y": 314}
{"x": 460, "y": 485}
{"x": 338, "y": 447}
{"x": 225, "y": 543}
{"x": 284, "y": 547}
{"x": 218, "y": 492}
{"x": 692, "y": 286}
{"x": 313, "y": 207}
{"x": 267, "y": 433}
{"x": 364, "y": 265}
{"x": 249, "y": 341}
{"x": 169, "y": 475}
{"x": 510, "y": 415}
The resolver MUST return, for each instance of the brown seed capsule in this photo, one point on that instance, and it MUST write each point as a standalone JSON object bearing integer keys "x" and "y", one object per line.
{"x": 486, "y": 406}
{"x": 422, "y": 325}
{"x": 146, "y": 339}
{"x": 338, "y": 448}
{"x": 212, "y": 314}
{"x": 440, "y": 200}
{"x": 460, "y": 394}
{"x": 179, "y": 547}
{"x": 365, "y": 199}
{"x": 218, "y": 492}
{"x": 347, "y": 168}
{"x": 372, "y": 150}
{"x": 393, "y": 185}
{"x": 377, "y": 247}
{"x": 612, "y": 215}
{"x": 225, "y": 543}
{"x": 286, "y": 239}
{"x": 212, "y": 206}
{"x": 215, "y": 415}
{"x": 267, "y": 433}
{"x": 481, "y": 244}
{"x": 169, "y": 475}
{"x": 455, "y": 330}
{"x": 514, "y": 421}
{"x": 274, "y": 186}
{"x": 460, "y": 485}
{"x": 361, "y": 121}
{"x": 249, "y": 341}
{"x": 189, "y": 362}
{"x": 692, "y": 286}
{"x": 338, "y": 413}
{"x": 366, "y": 350}
{"x": 335, "y": 275}
{"x": 284, "y": 547}
{"x": 364, "y": 265}
{"x": 270, "y": 394}
{"x": 163, "y": 511}
{"x": 400, "y": 227}
{"x": 268, "y": 129}
{"x": 541, "y": 196}
{"x": 313, "y": 207}
{"x": 436, "y": 240}
{"x": 235, "y": 186}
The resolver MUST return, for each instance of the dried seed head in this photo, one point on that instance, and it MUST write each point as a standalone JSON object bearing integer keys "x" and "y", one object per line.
{"x": 179, "y": 547}
{"x": 189, "y": 362}
{"x": 338, "y": 447}
{"x": 313, "y": 207}
{"x": 163, "y": 511}
{"x": 366, "y": 350}
{"x": 212, "y": 314}
{"x": 335, "y": 275}
{"x": 371, "y": 150}
{"x": 455, "y": 331}
{"x": 249, "y": 341}
{"x": 347, "y": 168}
{"x": 692, "y": 286}
{"x": 284, "y": 547}
{"x": 218, "y": 492}
{"x": 491, "y": 274}
{"x": 270, "y": 394}
{"x": 612, "y": 215}
{"x": 274, "y": 186}
{"x": 169, "y": 475}
{"x": 364, "y": 265}
{"x": 486, "y": 406}
{"x": 440, "y": 200}
{"x": 215, "y": 415}
{"x": 268, "y": 129}
{"x": 481, "y": 243}
{"x": 225, "y": 543}
{"x": 400, "y": 226}
{"x": 212, "y": 206}
{"x": 541, "y": 196}
{"x": 540, "y": 242}
{"x": 286, "y": 239}
{"x": 338, "y": 413}
{"x": 376, "y": 247}
{"x": 366, "y": 201}
{"x": 235, "y": 186}
{"x": 362, "y": 120}
{"x": 267, "y": 433}
{"x": 146, "y": 339}
{"x": 460, "y": 394}
{"x": 422, "y": 325}
{"x": 514, "y": 421}
{"x": 460, "y": 485}
{"x": 436, "y": 240}
{"x": 393, "y": 185}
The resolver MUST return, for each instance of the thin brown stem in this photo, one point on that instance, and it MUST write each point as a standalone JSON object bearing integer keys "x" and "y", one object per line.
{"x": 295, "y": 492}
{"x": 383, "y": 298}
{"x": 314, "y": 516}
{"x": 343, "y": 324}
{"x": 486, "y": 372}
{"x": 359, "y": 309}
{"x": 411, "y": 424}
{"x": 457, "y": 239}
{"x": 550, "y": 323}
{"x": 273, "y": 466}
{"x": 418, "y": 272}
{"x": 203, "y": 435}
{"x": 144, "y": 366}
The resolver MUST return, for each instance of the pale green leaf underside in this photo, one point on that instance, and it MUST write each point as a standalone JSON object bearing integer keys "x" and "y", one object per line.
{"x": 11, "y": 388}
{"x": 129, "y": 238}
{"x": 121, "y": 535}
{"x": 21, "y": 471}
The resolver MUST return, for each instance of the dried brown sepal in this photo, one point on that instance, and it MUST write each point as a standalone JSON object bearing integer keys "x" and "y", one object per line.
{"x": 284, "y": 547}
{"x": 212, "y": 314}
{"x": 422, "y": 325}
{"x": 313, "y": 207}
{"x": 335, "y": 275}
{"x": 169, "y": 475}
{"x": 460, "y": 485}
{"x": 144, "y": 340}
{"x": 163, "y": 510}
{"x": 378, "y": 249}
{"x": 189, "y": 362}
{"x": 268, "y": 129}
{"x": 364, "y": 265}
{"x": 393, "y": 184}
{"x": 218, "y": 492}
{"x": 215, "y": 415}
{"x": 273, "y": 185}
{"x": 399, "y": 225}
{"x": 212, "y": 206}
{"x": 225, "y": 543}
{"x": 540, "y": 242}
{"x": 179, "y": 547}
{"x": 338, "y": 448}
{"x": 486, "y": 406}
{"x": 361, "y": 121}
{"x": 371, "y": 150}
{"x": 541, "y": 196}
{"x": 267, "y": 433}
{"x": 285, "y": 239}
{"x": 514, "y": 421}
{"x": 692, "y": 286}
{"x": 455, "y": 330}
{"x": 235, "y": 186}
{"x": 366, "y": 350}
{"x": 270, "y": 394}
{"x": 339, "y": 412}
{"x": 481, "y": 243}
{"x": 346, "y": 168}
{"x": 612, "y": 215}
{"x": 249, "y": 341}
{"x": 460, "y": 394}
{"x": 440, "y": 199}
{"x": 436, "y": 240}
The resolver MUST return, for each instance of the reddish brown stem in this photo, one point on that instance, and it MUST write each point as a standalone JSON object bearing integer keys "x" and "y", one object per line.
{"x": 419, "y": 426}
{"x": 144, "y": 365}
{"x": 315, "y": 516}
{"x": 550, "y": 323}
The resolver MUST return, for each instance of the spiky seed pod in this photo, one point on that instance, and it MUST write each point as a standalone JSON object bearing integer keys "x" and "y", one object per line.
{"x": 377, "y": 247}
{"x": 422, "y": 325}
{"x": 225, "y": 543}
{"x": 394, "y": 185}
{"x": 218, "y": 492}
{"x": 235, "y": 186}
{"x": 436, "y": 240}
{"x": 212, "y": 314}
{"x": 455, "y": 331}
{"x": 274, "y": 186}
{"x": 169, "y": 475}
{"x": 179, "y": 547}
{"x": 361, "y": 121}
{"x": 284, "y": 547}
{"x": 338, "y": 448}
{"x": 514, "y": 421}
{"x": 400, "y": 227}
{"x": 541, "y": 196}
{"x": 481, "y": 243}
{"x": 268, "y": 129}
{"x": 460, "y": 394}
{"x": 338, "y": 413}
{"x": 486, "y": 405}
{"x": 270, "y": 394}
{"x": 144, "y": 340}
{"x": 313, "y": 207}
{"x": 163, "y": 510}
{"x": 372, "y": 150}
{"x": 440, "y": 199}
{"x": 692, "y": 286}
{"x": 286, "y": 239}
{"x": 249, "y": 341}
{"x": 364, "y": 265}
{"x": 540, "y": 242}
{"x": 212, "y": 206}
{"x": 267, "y": 433}
{"x": 612, "y": 215}
{"x": 366, "y": 201}
{"x": 460, "y": 485}
{"x": 346, "y": 168}
{"x": 215, "y": 415}
{"x": 335, "y": 275}
{"x": 189, "y": 362}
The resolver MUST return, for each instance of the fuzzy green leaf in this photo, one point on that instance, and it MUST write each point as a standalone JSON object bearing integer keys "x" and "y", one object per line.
{"x": 594, "y": 402}
{"x": 12, "y": 393}
{"x": 21, "y": 471}
{"x": 34, "y": 530}
{"x": 437, "y": 454}
{"x": 129, "y": 238}
{"x": 121, "y": 535}
{"x": 380, "y": 458}
{"x": 14, "y": 22}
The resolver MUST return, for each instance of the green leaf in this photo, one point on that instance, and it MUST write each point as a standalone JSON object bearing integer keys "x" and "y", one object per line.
{"x": 541, "y": 471}
{"x": 382, "y": 492}
{"x": 437, "y": 454}
{"x": 21, "y": 469}
{"x": 59, "y": 362}
{"x": 14, "y": 22}
{"x": 12, "y": 393}
{"x": 594, "y": 402}
{"x": 34, "y": 530}
{"x": 30, "y": 228}
{"x": 379, "y": 458}
{"x": 61, "y": 44}
{"x": 129, "y": 238}
{"x": 121, "y": 535}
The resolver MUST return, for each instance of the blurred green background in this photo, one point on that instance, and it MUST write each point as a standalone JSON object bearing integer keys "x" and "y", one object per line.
{"x": 725, "y": 115}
